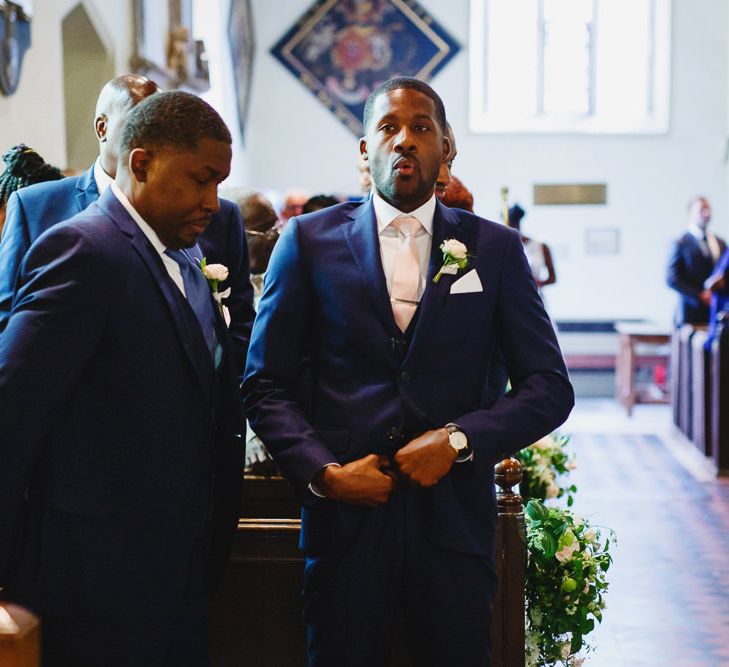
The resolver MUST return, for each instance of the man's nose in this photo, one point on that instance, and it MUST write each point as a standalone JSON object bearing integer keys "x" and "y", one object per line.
{"x": 211, "y": 203}
{"x": 405, "y": 140}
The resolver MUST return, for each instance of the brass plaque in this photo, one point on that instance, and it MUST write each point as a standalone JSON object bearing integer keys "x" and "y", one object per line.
{"x": 570, "y": 193}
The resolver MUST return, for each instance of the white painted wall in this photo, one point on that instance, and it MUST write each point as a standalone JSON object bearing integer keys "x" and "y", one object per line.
{"x": 296, "y": 141}
{"x": 35, "y": 113}
{"x": 292, "y": 140}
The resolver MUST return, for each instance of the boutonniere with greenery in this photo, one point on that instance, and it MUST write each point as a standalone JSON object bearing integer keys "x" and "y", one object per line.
{"x": 455, "y": 257}
{"x": 215, "y": 274}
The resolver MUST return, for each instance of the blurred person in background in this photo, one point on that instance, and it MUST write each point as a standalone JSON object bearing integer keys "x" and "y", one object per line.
{"x": 444, "y": 174}
{"x": 538, "y": 253}
{"x": 457, "y": 195}
{"x": 691, "y": 262}
{"x": 23, "y": 167}
{"x": 318, "y": 202}
{"x": 293, "y": 204}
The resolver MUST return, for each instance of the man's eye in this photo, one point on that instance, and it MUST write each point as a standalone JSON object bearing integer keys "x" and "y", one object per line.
{"x": 387, "y": 127}
{"x": 422, "y": 128}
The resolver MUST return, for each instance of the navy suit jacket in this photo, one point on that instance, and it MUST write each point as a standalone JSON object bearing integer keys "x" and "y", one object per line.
{"x": 688, "y": 268}
{"x": 34, "y": 209}
{"x": 120, "y": 446}
{"x": 325, "y": 296}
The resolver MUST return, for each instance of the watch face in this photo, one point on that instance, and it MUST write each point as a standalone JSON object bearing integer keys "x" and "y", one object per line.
{"x": 458, "y": 440}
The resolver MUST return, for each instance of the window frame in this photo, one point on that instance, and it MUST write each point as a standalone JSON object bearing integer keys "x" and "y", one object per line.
{"x": 655, "y": 120}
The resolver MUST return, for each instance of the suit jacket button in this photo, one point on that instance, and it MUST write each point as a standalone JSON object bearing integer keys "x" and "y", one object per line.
{"x": 393, "y": 433}
{"x": 405, "y": 376}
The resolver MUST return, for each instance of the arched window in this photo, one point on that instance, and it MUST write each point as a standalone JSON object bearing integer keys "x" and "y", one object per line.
{"x": 593, "y": 66}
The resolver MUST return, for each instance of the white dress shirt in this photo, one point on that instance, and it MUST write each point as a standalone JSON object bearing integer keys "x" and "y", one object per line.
{"x": 173, "y": 268}
{"x": 103, "y": 180}
{"x": 710, "y": 246}
{"x": 390, "y": 238}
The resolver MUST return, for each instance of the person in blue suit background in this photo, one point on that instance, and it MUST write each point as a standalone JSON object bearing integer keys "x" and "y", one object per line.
{"x": 120, "y": 414}
{"x": 691, "y": 262}
{"x": 392, "y": 453}
{"x": 33, "y": 210}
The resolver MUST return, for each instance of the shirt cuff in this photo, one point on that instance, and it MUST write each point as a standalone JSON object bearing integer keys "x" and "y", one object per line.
{"x": 312, "y": 486}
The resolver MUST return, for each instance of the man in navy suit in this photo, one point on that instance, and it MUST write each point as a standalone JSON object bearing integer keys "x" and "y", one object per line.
{"x": 120, "y": 411}
{"x": 33, "y": 210}
{"x": 691, "y": 262}
{"x": 393, "y": 455}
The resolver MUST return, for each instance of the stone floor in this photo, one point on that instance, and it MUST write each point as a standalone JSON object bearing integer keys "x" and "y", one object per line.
{"x": 668, "y": 602}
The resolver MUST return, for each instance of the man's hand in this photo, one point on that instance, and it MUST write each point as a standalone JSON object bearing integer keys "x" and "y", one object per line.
{"x": 705, "y": 297}
{"x": 366, "y": 481}
{"x": 426, "y": 459}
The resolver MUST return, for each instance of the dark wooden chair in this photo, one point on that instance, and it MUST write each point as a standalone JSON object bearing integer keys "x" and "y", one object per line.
{"x": 257, "y": 614}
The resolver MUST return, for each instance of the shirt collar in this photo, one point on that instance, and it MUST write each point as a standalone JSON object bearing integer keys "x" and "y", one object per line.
{"x": 103, "y": 180}
{"x": 697, "y": 232}
{"x": 385, "y": 213}
{"x": 144, "y": 226}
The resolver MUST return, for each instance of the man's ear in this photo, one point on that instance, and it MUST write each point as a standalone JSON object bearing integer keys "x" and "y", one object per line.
{"x": 363, "y": 148}
{"x": 446, "y": 148}
{"x": 138, "y": 163}
{"x": 100, "y": 127}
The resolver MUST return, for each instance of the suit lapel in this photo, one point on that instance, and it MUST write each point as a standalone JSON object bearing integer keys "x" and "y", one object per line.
{"x": 86, "y": 189}
{"x": 446, "y": 225}
{"x": 191, "y": 339}
{"x": 363, "y": 241}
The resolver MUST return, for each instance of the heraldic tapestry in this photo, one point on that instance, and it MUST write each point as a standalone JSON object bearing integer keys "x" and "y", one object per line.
{"x": 341, "y": 50}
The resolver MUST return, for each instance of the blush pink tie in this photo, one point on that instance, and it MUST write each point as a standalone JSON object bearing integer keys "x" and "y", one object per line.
{"x": 406, "y": 277}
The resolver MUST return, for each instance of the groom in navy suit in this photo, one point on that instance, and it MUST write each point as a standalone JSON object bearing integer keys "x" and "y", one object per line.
{"x": 393, "y": 446}
{"x": 120, "y": 412}
{"x": 33, "y": 210}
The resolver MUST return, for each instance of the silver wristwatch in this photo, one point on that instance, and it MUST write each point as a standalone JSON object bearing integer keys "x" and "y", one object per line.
{"x": 458, "y": 440}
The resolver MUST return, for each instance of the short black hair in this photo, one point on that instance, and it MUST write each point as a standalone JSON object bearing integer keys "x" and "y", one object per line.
{"x": 175, "y": 120}
{"x": 399, "y": 83}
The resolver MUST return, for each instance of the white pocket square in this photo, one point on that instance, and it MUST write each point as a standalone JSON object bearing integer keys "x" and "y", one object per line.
{"x": 467, "y": 283}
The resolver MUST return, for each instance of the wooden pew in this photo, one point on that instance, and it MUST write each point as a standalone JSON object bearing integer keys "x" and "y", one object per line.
{"x": 257, "y": 612}
{"x": 19, "y": 637}
{"x": 700, "y": 393}
{"x": 720, "y": 398}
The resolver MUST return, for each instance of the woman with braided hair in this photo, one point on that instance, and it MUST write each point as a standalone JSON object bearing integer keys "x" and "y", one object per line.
{"x": 23, "y": 166}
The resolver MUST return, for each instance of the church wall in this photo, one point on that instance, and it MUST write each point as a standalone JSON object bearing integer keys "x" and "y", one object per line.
{"x": 35, "y": 113}
{"x": 294, "y": 140}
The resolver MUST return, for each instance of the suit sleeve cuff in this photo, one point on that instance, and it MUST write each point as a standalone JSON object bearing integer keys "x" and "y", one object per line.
{"x": 313, "y": 488}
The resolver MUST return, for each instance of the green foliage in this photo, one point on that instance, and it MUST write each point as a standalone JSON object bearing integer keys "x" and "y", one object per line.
{"x": 565, "y": 583}
{"x": 544, "y": 464}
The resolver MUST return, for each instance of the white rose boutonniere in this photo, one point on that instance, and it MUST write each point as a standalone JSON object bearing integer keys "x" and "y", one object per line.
{"x": 215, "y": 274}
{"x": 455, "y": 257}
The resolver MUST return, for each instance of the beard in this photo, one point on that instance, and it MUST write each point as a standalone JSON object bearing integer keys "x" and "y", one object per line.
{"x": 398, "y": 190}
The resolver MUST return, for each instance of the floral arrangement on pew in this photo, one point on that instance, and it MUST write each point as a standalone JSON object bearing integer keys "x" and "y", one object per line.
{"x": 543, "y": 465}
{"x": 568, "y": 560}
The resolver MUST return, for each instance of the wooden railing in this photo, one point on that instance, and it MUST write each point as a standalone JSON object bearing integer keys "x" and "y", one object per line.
{"x": 19, "y": 637}
{"x": 257, "y": 614}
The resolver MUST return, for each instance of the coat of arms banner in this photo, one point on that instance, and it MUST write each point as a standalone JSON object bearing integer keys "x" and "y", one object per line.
{"x": 341, "y": 50}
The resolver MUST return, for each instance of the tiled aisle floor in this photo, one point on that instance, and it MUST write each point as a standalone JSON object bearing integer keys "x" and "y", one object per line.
{"x": 668, "y": 602}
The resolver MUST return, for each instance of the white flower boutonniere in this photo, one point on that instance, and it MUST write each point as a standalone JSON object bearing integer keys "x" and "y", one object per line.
{"x": 455, "y": 257}
{"x": 215, "y": 274}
